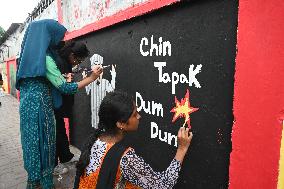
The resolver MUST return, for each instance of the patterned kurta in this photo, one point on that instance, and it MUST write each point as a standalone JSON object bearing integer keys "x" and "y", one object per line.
{"x": 37, "y": 123}
{"x": 133, "y": 172}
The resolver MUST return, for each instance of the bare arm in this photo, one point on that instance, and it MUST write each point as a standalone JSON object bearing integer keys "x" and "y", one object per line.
{"x": 184, "y": 139}
{"x": 97, "y": 70}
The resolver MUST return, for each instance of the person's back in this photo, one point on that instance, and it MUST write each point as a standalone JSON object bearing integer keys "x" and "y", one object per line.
{"x": 79, "y": 51}
{"x": 99, "y": 151}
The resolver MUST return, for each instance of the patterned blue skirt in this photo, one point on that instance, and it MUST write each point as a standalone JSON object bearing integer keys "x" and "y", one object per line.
{"x": 37, "y": 126}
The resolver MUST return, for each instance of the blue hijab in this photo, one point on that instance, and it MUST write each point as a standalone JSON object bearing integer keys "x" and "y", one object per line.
{"x": 39, "y": 36}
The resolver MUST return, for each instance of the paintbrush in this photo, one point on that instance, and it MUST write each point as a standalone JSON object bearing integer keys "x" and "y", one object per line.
{"x": 78, "y": 69}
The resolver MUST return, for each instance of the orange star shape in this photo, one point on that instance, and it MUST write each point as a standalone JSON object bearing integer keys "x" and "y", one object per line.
{"x": 183, "y": 109}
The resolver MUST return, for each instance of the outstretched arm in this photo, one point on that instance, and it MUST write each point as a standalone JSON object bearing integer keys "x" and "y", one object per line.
{"x": 135, "y": 170}
{"x": 97, "y": 70}
{"x": 54, "y": 76}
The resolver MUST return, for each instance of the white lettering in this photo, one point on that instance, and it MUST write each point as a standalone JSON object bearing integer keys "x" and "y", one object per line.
{"x": 170, "y": 138}
{"x": 167, "y": 45}
{"x": 191, "y": 75}
{"x": 157, "y": 109}
{"x": 153, "y": 47}
{"x": 183, "y": 78}
{"x": 151, "y": 108}
{"x": 160, "y": 46}
{"x": 178, "y": 78}
{"x": 175, "y": 80}
{"x": 154, "y": 130}
{"x": 145, "y": 41}
{"x": 163, "y": 48}
{"x": 163, "y": 77}
{"x": 165, "y": 137}
{"x": 139, "y": 97}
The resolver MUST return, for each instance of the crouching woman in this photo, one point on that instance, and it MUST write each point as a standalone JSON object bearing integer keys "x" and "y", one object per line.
{"x": 106, "y": 164}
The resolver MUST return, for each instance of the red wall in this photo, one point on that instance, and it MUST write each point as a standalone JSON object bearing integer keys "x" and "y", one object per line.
{"x": 259, "y": 95}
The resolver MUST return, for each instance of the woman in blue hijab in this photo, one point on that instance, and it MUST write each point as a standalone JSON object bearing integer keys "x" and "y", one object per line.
{"x": 40, "y": 83}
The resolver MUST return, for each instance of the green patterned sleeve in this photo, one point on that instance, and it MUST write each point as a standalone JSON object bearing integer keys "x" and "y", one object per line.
{"x": 54, "y": 76}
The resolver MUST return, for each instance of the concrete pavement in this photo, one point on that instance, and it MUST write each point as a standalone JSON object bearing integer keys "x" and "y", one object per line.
{"x": 12, "y": 172}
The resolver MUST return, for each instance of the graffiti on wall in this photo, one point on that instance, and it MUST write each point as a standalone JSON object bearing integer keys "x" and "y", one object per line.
{"x": 182, "y": 109}
{"x": 41, "y": 9}
{"x": 174, "y": 65}
{"x": 100, "y": 87}
{"x": 78, "y": 13}
{"x": 50, "y": 12}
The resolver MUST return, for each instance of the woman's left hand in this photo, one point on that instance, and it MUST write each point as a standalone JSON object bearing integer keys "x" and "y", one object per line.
{"x": 69, "y": 77}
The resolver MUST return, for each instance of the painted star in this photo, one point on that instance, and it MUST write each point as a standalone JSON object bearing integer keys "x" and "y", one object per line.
{"x": 183, "y": 109}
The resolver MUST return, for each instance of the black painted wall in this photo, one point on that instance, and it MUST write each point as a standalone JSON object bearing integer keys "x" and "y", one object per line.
{"x": 200, "y": 32}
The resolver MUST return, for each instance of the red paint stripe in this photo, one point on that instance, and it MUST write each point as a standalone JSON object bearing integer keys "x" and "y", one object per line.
{"x": 67, "y": 128}
{"x": 120, "y": 16}
{"x": 59, "y": 12}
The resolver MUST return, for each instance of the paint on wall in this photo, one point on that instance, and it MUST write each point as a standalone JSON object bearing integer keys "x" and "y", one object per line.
{"x": 195, "y": 33}
{"x": 78, "y": 13}
{"x": 81, "y": 17}
{"x": 43, "y": 8}
{"x": 99, "y": 88}
{"x": 183, "y": 109}
{"x": 50, "y": 12}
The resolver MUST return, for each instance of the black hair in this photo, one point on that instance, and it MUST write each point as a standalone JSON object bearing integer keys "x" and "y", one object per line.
{"x": 79, "y": 49}
{"x": 116, "y": 106}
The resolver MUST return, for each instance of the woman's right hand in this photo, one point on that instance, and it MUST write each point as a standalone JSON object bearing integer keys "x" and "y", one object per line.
{"x": 97, "y": 70}
{"x": 184, "y": 139}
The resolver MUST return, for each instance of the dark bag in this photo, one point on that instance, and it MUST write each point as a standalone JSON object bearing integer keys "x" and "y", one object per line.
{"x": 107, "y": 175}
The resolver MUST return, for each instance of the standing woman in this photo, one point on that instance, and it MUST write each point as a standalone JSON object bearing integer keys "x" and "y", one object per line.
{"x": 80, "y": 51}
{"x": 40, "y": 84}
